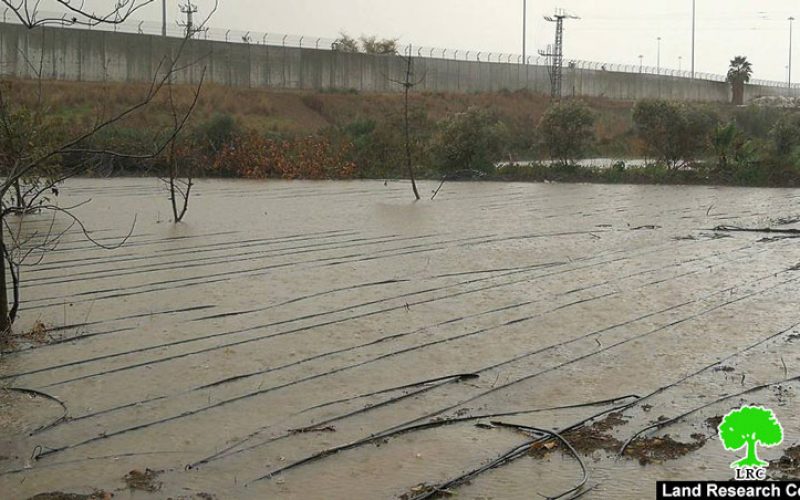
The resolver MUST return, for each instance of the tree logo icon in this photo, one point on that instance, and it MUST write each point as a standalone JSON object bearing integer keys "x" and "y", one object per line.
{"x": 750, "y": 426}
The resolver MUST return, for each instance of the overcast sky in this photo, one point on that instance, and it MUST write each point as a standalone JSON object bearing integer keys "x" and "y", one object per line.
{"x": 616, "y": 31}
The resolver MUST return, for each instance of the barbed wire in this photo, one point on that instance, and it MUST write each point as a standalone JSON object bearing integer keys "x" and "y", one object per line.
{"x": 323, "y": 43}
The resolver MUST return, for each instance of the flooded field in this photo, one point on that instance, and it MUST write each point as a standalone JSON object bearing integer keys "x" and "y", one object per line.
{"x": 338, "y": 341}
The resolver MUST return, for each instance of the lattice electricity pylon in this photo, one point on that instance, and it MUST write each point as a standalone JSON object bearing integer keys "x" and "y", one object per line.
{"x": 190, "y": 10}
{"x": 555, "y": 53}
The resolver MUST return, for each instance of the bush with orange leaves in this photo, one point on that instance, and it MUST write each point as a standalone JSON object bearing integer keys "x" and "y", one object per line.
{"x": 253, "y": 156}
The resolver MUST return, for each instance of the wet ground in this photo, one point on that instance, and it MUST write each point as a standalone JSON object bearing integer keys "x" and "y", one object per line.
{"x": 336, "y": 340}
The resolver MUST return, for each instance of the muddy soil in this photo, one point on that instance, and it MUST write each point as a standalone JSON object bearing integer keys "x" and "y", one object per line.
{"x": 322, "y": 340}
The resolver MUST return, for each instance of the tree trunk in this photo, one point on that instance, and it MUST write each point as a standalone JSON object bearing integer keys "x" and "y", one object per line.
{"x": 738, "y": 93}
{"x": 18, "y": 190}
{"x": 408, "y": 148}
{"x": 5, "y": 320}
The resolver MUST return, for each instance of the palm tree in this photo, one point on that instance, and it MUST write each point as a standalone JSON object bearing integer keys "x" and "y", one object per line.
{"x": 738, "y": 74}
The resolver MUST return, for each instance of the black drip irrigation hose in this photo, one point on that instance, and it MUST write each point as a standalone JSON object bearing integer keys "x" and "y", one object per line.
{"x": 514, "y": 454}
{"x": 425, "y": 426}
{"x": 638, "y": 401}
{"x": 186, "y": 341}
{"x": 51, "y": 451}
{"x": 665, "y": 388}
{"x": 268, "y": 389}
{"x": 393, "y": 337}
{"x": 539, "y": 351}
{"x": 666, "y": 423}
{"x": 736, "y": 229}
{"x": 172, "y": 284}
{"x": 426, "y": 384}
{"x": 520, "y": 271}
{"x": 188, "y": 413}
{"x": 33, "y": 392}
{"x": 378, "y": 341}
{"x": 570, "y": 448}
{"x": 279, "y": 323}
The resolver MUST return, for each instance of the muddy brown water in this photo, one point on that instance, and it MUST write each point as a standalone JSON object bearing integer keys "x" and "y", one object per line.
{"x": 283, "y": 319}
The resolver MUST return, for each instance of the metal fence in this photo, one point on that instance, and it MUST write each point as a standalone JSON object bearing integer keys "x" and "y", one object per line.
{"x": 322, "y": 43}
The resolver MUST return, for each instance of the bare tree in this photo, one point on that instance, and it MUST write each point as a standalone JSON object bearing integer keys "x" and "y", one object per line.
{"x": 409, "y": 82}
{"x": 73, "y": 13}
{"x": 35, "y": 160}
{"x": 180, "y": 173}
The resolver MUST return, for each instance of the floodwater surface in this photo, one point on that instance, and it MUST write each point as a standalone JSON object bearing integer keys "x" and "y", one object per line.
{"x": 337, "y": 340}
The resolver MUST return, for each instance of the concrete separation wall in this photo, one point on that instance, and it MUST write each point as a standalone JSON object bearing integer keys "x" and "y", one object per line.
{"x": 96, "y": 56}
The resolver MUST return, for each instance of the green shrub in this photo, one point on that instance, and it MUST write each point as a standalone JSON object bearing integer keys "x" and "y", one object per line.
{"x": 220, "y": 130}
{"x": 785, "y": 135}
{"x": 757, "y": 121}
{"x": 675, "y": 134}
{"x": 378, "y": 147}
{"x": 472, "y": 140}
{"x": 567, "y": 131}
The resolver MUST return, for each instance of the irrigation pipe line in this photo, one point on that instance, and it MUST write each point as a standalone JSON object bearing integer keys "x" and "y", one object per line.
{"x": 33, "y": 392}
{"x": 430, "y": 385}
{"x": 378, "y": 341}
{"x": 624, "y": 407}
{"x": 666, "y": 423}
{"x": 572, "y": 451}
{"x": 219, "y": 456}
{"x": 420, "y": 427}
{"x": 736, "y": 229}
{"x": 184, "y": 414}
{"x": 326, "y": 323}
{"x": 515, "y": 454}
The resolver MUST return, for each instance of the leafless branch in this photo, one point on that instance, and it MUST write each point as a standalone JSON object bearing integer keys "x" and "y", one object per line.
{"x": 74, "y": 15}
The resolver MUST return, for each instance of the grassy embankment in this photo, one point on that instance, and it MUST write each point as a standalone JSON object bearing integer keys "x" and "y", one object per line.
{"x": 297, "y": 134}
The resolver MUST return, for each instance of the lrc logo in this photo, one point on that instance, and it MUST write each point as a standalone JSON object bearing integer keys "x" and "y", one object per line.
{"x": 750, "y": 426}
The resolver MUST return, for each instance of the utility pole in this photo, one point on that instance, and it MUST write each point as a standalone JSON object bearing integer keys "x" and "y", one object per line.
{"x": 694, "y": 24}
{"x": 190, "y": 10}
{"x": 680, "y": 63}
{"x": 556, "y": 55}
{"x": 791, "y": 21}
{"x": 658, "y": 58}
{"x": 524, "y": 30}
{"x": 163, "y": 17}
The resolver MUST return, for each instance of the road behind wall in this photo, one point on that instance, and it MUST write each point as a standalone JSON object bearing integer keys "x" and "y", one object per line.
{"x": 87, "y": 55}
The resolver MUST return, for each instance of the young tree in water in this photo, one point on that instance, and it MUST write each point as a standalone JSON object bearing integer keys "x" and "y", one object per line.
{"x": 38, "y": 152}
{"x": 739, "y": 73}
{"x": 409, "y": 82}
{"x": 180, "y": 169}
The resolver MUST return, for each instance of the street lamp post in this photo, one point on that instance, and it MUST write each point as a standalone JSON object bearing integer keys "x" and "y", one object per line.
{"x": 694, "y": 18}
{"x": 680, "y": 63}
{"x": 658, "y": 58}
{"x": 164, "y": 17}
{"x": 641, "y": 63}
{"x": 791, "y": 21}
{"x": 524, "y": 29}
